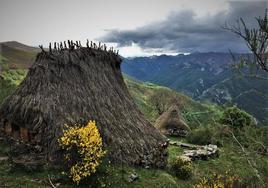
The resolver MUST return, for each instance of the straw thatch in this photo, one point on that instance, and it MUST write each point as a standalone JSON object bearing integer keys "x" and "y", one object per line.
{"x": 171, "y": 122}
{"x": 68, "y": 86}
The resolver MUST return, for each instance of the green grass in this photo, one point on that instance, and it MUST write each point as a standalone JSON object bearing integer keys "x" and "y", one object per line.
{"x": 109, "y": 175}
{"x": 2, "y": 59}
{"x": 114, "y": 176}
{"x": 9, "y": 80}
{"x": 3, "y": 64}
{"x": 14, "y": 77}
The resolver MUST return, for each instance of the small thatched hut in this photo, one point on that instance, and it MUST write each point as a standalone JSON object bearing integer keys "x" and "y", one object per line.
{"x": 74, "y": 85}
{"x": 171, "y": 122}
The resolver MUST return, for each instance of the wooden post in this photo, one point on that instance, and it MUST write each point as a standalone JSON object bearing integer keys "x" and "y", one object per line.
{"x": 8, "y": 128}
{"x": 50, "y": 50}
{"x": 87, "y": 43}
{"x": 2, "y": 126}
{"x": 24, "y": 134}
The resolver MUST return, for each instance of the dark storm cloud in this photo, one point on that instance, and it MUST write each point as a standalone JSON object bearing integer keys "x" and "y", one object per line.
{"x": 185, "y": 32}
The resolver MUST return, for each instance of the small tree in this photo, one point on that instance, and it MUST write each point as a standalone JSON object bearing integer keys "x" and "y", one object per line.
{"x": 256, "y": 40}
{"x": 236, "y": 117}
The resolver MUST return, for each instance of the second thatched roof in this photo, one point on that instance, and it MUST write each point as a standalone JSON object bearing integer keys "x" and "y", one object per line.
{"x": 171, "y": 121}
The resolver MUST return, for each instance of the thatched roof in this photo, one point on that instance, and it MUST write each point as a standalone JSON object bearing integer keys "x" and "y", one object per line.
{"x": 171, "y": 120}
{"x": 68, "y": 86}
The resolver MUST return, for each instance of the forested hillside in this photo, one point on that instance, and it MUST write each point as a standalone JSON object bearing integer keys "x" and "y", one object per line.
{"x": 205, "y": 77}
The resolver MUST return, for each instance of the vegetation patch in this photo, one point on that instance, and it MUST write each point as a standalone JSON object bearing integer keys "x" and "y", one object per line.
{"x": 182, "y": 167}
{"x": 83, "y": 150}
{"x": 236, "y": 117}
{"x": 218, "y": 180}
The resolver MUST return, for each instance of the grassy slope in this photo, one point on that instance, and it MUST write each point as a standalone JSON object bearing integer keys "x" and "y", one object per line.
{"x": 117, "y": 176}
{"x": 17, "y": 55}
{"x": 15, "y": 59}
{"x": 194, "y": 112}
{"x": 9, "y": 80}
{"x": 201, "y": 83}
{"x": 253, "y": 99}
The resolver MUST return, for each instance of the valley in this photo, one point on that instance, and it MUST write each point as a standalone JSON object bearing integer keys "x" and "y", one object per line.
{"x": 204, "y": 77}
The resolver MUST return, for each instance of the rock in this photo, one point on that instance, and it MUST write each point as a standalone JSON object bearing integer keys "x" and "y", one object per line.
{"x": 198, "y": 152}
{"x": 202, "y": 152}
{"x": 132, "y": 177}
{"x": 3, "y": 158}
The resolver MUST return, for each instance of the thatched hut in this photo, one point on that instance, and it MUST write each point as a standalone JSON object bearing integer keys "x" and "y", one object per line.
{"x": 171, "y": 122}
{"x": 75, "y": 85}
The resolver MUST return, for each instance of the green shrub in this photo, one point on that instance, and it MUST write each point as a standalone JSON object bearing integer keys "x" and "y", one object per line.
{"x": 201, "y": 136}
{"x": 236, "y": 117}
{"x": 221, "y": 181}
{"x": 182, "y": 167}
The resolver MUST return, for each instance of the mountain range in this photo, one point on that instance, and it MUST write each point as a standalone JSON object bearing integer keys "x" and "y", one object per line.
{"x": 204, "y": 77}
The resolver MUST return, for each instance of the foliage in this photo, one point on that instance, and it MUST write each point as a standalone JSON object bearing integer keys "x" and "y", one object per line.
{"x": 256, "y": 40}
{"x": 220, "y": 181}
{"x": 14, "y": 77}
{"x": 83, "y": 146}
{"x": 3, "y": 64}
{"x": 182, "y": 167}
{"x": 253, "y": 138}
{"x": 236, "y": 117}
{"x": 201, "y": 136}
{"x": 9, "y": 80}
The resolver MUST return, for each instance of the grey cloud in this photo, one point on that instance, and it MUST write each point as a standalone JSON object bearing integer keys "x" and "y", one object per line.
{"x": 185, "y": 32}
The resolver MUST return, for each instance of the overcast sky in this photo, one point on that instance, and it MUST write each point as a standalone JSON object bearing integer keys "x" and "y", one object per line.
{"x": 136, "y": 27}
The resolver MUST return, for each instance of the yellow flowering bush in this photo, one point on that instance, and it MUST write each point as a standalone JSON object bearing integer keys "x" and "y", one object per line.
{"x": 182, "y": 167}
{"x": 83, "y": 150}
{"x": 220, "y": 181}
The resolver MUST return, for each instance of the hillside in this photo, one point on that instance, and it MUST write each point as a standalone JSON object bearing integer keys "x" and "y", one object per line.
{"x": 203, "y": 76}
{"x": 236, "y": 90}
{"x": 17, "y": 55}
{"x": 195, "y": 113}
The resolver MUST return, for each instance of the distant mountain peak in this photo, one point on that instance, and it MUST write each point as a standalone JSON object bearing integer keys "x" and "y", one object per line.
{"x": 19, "y": 46}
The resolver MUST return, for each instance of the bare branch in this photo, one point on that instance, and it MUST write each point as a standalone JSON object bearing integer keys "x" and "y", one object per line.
{"x": 255, "y": 38}
{"x": 49, "y": 179}
{"x": 251, "y": 164}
